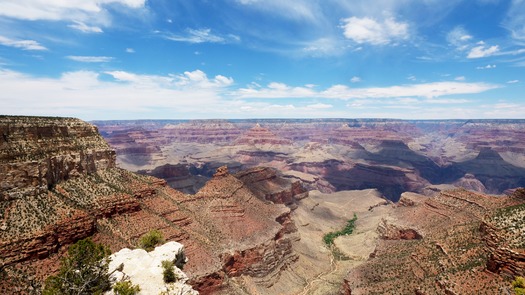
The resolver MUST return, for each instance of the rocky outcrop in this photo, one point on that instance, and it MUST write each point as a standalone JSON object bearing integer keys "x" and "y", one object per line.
{"x": 389, "y": 231}
{"x": 469, "y": 182}
{"x": 268, "y": 185}
{"x": 261, "y": 135}
{"x": 145, "y": 269}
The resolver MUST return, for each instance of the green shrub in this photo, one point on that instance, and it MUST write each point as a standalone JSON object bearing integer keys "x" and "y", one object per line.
{"x": 519, "y": 285}
{"x": 125, "y": 288}
{"x": 168, "y": 272}
{"x": 83, "y": 271}
{"x": 348, "y": 229}
{"x": 150, "y": 240}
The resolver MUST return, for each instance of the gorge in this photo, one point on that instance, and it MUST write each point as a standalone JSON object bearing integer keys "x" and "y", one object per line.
{"x": 251, "y": 200}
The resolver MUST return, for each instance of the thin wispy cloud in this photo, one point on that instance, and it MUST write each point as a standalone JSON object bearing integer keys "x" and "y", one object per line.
{"x": 276, "y": 90}
{"x": 90, "y": 59}
{"x": 486, "y": 67}
{"x": 80, "y": 26}
{"x": 21, "y": 44}
{"x": 355, "y": 79}
{"x": 201, "y": 36}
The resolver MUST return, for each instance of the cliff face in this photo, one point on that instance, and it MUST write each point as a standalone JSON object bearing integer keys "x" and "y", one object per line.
{"x": 37, "y": 153}
{"x": 59, "y": 184}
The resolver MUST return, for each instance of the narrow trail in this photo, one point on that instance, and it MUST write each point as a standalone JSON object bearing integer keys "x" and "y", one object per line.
{"x": 319, "y": 277}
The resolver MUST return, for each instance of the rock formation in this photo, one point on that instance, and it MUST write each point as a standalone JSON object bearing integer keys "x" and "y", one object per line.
{"x": 335, "y": 154}
{"x": 145, "y": 269}
{"x": 60, "y": 184}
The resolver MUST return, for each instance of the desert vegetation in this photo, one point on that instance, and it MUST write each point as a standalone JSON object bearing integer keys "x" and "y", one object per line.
{"x": 83, "y": 271}
{"x": 347, "y": 230}
{"x": 150, "y": 240}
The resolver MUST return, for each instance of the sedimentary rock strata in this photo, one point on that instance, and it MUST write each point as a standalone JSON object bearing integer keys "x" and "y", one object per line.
{"x": 393, "y": 156}
{"x": 72, "y": 190}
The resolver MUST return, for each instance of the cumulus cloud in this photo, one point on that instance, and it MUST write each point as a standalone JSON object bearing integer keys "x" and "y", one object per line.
{"x": 483, "y": 51}
{"x": 372, "y": 31}
{"x": 201, "y": 36}
{"x": 78, "y": 25}
{"x": 88, "y": 94}
{"x": 90, "y": 59}
{"x": 22, "y": 44}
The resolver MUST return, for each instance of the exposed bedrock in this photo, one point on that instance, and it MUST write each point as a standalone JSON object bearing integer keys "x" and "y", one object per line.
{"x": 36, "y": 153}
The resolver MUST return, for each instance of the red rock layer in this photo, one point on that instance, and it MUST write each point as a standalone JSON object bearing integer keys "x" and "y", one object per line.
{"x": 220, "y": 226}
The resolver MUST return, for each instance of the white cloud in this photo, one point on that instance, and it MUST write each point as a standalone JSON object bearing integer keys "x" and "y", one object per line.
{"x": 459, "y": 38}
{"x": 355, "y": 79}
{"x": 515, "y": 19}
{"x": 483, "y": 51}
{"x": 59, "y": 9}
{"x": 320, "y": 106}
{"x": 78, "y": 25}
{"x": 460, "y": 78}
{"x": 201, "y": 36}
{"x": 486, "y": 67}
{"x": 512, "y": 81}
{"x": 85, "y": 94}
{"x": 130, "y": 50}
{"x": 412, "y": 78}
{"x": 22, "y": 44}
{"x": 428, "y": 90}
{"x": 368, "y": 30}
{"x": 90, "y": 58}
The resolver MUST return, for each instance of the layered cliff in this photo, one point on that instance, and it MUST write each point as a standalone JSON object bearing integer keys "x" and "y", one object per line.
{"x": 336, "y": 154}
{"x": 60, "y": 184}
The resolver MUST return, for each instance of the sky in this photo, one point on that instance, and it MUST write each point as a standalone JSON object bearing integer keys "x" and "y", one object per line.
{"x": 234, "y": 59}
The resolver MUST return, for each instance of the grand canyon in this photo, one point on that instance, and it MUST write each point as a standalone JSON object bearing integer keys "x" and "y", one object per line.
{"x": 439, "y": 203}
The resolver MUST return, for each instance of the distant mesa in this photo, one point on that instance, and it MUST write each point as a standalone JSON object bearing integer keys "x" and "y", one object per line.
{"x": 260, "y": 135}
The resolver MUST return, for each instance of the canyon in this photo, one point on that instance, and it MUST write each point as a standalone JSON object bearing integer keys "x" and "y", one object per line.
{"x": 393, "y": 156}
{"x": 438, "y": 204}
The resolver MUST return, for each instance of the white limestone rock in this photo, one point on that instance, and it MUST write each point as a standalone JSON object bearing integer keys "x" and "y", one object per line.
{"x": 144, "y": 269}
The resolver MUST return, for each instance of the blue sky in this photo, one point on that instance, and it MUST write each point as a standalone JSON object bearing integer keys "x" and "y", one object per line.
{"x": 196, "y": 59}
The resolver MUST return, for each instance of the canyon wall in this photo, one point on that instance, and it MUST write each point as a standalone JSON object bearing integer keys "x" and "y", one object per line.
{"x": 330, "y": 155}
{"x": 60, "y": 183}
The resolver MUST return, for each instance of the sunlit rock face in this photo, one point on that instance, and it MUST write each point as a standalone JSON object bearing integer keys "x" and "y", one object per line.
{"x": 145, "y": 269}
